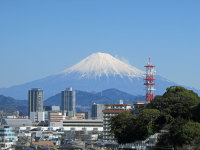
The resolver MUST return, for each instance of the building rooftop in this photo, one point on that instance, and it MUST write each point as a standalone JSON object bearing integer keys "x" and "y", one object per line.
{"x": 83, "y": 120}
{"x": 44, "y": 143}
{"x": 35, "y": 89}
{"x": 18, "y": 122}
{"x": 118, "y": 104}
{"x": 115, "y": 111}
{"x": 138, "y": 102}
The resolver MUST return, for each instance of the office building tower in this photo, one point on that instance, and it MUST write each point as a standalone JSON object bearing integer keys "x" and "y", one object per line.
{"x": 68, "y": 102}
{"x": 97, "y": 111}
{"x": 35, "y": 104}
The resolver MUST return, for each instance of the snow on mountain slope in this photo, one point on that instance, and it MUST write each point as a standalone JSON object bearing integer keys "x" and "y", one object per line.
{"x": 97, "y": 72}
{"x": 99, "y": 64}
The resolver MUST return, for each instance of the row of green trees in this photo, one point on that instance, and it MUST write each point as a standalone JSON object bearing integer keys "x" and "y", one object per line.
{"x": 177, "y": 111}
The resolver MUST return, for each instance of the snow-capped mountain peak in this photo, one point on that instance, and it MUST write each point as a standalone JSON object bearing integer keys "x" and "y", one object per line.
{"x": 97, "y": 72}
{"x": 99, "y": 64}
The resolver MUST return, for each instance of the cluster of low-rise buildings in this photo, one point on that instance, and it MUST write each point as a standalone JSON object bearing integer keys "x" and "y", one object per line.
{"x": 61, "y": 126}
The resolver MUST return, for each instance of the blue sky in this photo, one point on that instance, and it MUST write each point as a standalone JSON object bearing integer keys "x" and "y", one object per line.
{"x": 40, "y": 38}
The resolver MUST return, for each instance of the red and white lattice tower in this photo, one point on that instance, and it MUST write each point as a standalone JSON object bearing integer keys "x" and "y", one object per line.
{"x": 149, "y": 81}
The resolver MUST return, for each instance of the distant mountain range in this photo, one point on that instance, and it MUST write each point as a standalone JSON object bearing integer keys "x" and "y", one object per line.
{"x": 109, "y": 96}
{"x": 9, "y": 105}
{"x": 84, "y": 100}
{"x": 97, "y": 72}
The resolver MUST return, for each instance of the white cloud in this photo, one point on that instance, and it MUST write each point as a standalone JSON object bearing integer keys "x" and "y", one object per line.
{"x": 123, "y": 59}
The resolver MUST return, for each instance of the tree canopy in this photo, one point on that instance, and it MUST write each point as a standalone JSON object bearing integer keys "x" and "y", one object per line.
{"x": 177, "y": 110}
{"x": 122, "y": 126}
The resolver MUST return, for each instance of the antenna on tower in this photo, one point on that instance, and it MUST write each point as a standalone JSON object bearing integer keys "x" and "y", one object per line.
{"x": 149, "y": 81}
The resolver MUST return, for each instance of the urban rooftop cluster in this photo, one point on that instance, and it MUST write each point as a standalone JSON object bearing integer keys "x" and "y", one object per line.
{"x": 61, "y": 127}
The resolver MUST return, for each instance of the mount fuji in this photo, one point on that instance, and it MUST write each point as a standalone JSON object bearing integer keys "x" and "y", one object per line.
{"x": 97, "y": 72}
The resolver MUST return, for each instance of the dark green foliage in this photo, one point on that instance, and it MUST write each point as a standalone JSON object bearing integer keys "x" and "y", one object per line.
{"x": 175, "y": 112}
{"x": 176, "y": 130}
{"x": 148, "y": 115}
{"x": 176, "y": 102}
{"x": 196, "y": 113}
{"x": 184, "y": 132}
{"x": 177, "y": 94}
{"x": 180, "y": 110}
{"x": 174, "y": 95}
{"x": 145, "y": 125}
{"x": 122, "y": 127}
{"x": 164, "y": 140}
{"x": 190, "y": 130}
{"x": 128, "y": 128}
{"x": 162, "y": 121}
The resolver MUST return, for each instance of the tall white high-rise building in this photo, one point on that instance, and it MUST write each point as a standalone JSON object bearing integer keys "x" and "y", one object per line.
{"x": 68, "y": 102}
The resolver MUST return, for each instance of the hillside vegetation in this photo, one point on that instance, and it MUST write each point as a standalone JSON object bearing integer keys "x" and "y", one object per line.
{"x": 176, "y": 111}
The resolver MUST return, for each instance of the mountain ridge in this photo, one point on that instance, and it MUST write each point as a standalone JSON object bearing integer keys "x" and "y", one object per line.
{"x": 86, "y": 99}
{"x": 111, "y": 73}
{"x": 9, "y": 105}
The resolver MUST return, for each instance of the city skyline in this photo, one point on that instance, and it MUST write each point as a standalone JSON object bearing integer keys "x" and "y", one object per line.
{"x": 58, "y": 35}
{"x": 100, "y": 75}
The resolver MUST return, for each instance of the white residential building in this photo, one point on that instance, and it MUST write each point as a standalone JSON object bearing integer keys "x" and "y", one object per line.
{"x": 112, "y": 110}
